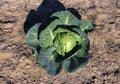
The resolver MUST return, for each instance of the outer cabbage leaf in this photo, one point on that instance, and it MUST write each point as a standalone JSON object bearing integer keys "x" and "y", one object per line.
{"x": 86, "y": 26}
{"x": 46, "y": 60}
{"x": 67, "y": 18}
{"x": 46, "y": 36}
{"x": 74, "y": 63}
{"x": 32, "y": 36}
{"x": 85, "y": 44}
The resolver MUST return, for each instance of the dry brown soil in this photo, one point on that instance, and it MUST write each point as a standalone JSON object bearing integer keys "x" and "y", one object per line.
{"x": 18, "y": 66}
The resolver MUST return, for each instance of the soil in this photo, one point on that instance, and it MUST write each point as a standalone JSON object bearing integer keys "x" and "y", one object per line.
{"x": 18, "y": 66}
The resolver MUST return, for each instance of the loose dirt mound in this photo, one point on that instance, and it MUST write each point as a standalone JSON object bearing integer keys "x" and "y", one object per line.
{"x": 17, "y": 66}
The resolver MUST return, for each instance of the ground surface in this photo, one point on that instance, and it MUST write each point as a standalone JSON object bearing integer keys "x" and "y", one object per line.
{"x": 17, "y": 66}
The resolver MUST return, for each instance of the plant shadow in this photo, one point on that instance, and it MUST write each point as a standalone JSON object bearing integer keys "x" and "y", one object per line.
{"x": 43, "y": 13}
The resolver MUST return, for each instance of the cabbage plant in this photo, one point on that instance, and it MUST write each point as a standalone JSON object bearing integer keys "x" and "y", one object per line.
{"x": 63, "y": 44}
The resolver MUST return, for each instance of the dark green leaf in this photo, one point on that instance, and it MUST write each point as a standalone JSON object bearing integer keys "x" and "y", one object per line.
{"x": 46, "y": 60}
{"x": 32, "y": 36}
{"x": 47, "y": 36}
{"x": 66, "y": 64}
{"x": 74, "y": 63}
{"x": 84, "y": 41}
{"x": 67, "y": 18}
{"x": 86, "y": 26}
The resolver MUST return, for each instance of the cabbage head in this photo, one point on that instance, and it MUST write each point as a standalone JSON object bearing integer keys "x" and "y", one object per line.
{"x": 63, "y": 44}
